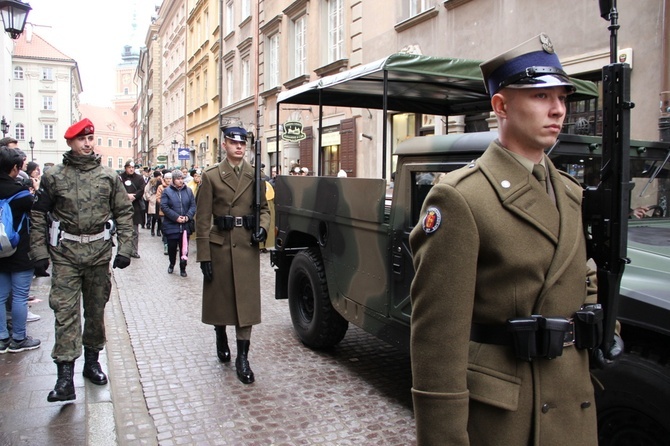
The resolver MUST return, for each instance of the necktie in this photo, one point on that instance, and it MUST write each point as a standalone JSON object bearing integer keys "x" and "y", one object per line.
{"x": 237, "y": 170}
{"x": 541, "y": 174}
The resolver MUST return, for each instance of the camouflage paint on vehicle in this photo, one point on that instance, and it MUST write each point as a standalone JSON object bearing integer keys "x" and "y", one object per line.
{"x": 345, "y": 219}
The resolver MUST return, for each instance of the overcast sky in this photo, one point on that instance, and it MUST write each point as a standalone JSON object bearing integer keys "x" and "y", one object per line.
{"x": 93, "y": 33}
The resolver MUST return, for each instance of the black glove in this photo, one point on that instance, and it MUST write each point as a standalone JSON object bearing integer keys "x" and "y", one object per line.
{"x": 121, "y": 262}
{"x": 260, "y": 236}
{"x": 206, "y": 268}
{"x": 41, "y": 267}
{"x": 602, "y": 359}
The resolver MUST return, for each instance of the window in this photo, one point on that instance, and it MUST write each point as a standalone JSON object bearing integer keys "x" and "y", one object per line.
{"x": 417, "y": 7}
{"x": 204, "y": 86}
{"x": 100, "y": 143}
{"x": 120, "y": 163}
{"x": 47, "y": 74}
{"x": 18, "y": 73}
{"x": 335, "y": 30}
{"x": 110, "y": 160}
{"x": 109, "y": 142}
{"x": 19, "y": 132}
{"x": 273, "y": 62}
{"x": 18, "y": 101}
{"x": 246, "y": 9}
{"x": 130, "y": 144}
{"x": 120, "y": 144}
{"x": 230, "y": 18}
{"x": 229, "y": 86}
{"x": 47, "y": 103}
{"x": 48, "y": 131}
{"x": 246, "y": 78}
{"x": 299, "y": 46}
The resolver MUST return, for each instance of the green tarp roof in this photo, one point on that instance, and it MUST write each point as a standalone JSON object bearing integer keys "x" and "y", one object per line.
{"x": 415, "y": 83}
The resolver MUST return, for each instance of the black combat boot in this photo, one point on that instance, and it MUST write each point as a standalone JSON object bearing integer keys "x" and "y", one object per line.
{"x": 64, "y": 390}
{"x": 244, "y": 372}
{"x": 182, "y": 268}
{"x": 222, "y": 350}
{"x": 92, "y": 369}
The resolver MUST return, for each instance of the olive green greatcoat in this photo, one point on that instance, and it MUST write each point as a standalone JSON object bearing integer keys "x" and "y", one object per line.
{"x": 233, "y": 296}
{"x": 502, "y": 250}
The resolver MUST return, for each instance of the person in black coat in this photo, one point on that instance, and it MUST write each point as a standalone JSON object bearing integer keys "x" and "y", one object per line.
{"x": 16, "y": 270}
{"x": 134, "y": 184}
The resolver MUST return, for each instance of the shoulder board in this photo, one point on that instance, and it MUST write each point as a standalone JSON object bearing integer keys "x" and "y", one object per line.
{"x": 212, "y": 167}
{"x": 455, "y": 176}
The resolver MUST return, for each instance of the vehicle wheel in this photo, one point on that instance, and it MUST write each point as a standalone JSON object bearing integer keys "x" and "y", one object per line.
{"x": 634, "y": 406}
{"x": 315, "y": 320}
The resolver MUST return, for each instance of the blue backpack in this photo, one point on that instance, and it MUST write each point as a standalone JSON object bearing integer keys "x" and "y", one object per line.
{"x": 9, "y": 238}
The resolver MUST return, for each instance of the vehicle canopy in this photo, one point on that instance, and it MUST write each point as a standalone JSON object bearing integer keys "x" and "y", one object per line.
{"x": 408, "y": 83}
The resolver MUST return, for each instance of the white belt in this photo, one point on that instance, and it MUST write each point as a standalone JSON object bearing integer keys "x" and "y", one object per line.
{"x": 84, "y": 238}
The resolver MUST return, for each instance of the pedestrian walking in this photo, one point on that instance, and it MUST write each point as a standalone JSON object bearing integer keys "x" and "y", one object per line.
{"x": 165, "y": 183}
{"x": 178, "y": 205}
{"x": 150, "y": 191}
{"x": 228, "y": 250}
{"x": 500, "y": 261}
{"x": 78, "y": 204}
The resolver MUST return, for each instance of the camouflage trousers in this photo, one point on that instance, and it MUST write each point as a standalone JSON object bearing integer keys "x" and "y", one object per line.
{"x": 70, "y": 286}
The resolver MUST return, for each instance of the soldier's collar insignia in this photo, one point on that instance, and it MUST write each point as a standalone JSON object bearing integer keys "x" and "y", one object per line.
{"x": 431, "y": 221}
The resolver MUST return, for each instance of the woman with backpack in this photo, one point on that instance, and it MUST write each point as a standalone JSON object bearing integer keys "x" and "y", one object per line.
{"x": 16, "y": 269}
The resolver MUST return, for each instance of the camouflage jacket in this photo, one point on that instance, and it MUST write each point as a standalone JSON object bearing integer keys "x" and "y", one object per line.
{"x": 82, "y": 195}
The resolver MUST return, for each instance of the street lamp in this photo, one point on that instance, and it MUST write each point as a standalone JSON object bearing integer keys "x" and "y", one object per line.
{"x": 4, "y": 126}
{"x": 175, "y": 146}
{"x": 31, "y": 144}
{"x": 14, "y": 14}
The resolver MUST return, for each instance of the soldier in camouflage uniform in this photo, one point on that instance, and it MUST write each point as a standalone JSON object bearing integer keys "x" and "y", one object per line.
{"x": 83, "y": 196}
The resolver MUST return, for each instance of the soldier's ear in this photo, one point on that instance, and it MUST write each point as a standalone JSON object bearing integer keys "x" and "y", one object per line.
{"x": 499, "y": 105}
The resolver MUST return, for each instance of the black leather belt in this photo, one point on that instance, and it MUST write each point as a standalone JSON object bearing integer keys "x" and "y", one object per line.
{"x": 228, "y": 222}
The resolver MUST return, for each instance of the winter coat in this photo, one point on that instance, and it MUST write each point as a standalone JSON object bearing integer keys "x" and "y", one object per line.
{"x": 150, "y": 191}
{"x": 175, "y": 203}
{"x": 233, "y": 296}
{"x": 19, "y": 261}
{"x": 498, "y": 248}
{"x": 134, "y": 184}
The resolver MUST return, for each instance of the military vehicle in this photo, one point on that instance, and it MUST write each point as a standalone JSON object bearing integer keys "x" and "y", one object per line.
{"x": 342, "y": 252}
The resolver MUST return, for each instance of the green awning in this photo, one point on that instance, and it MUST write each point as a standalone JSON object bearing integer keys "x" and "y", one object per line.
{"x": 415, "y": 83}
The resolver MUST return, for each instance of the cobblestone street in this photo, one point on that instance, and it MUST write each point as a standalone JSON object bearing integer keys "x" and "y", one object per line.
{"x": 357, "y": 393}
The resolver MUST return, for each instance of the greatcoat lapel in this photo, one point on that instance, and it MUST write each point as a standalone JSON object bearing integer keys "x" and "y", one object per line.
{"x": 235, "y": 183}
{"x": 519, "y": 192}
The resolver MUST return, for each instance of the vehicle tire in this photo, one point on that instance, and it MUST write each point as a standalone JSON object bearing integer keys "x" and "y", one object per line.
{"x": 634, "y": 407}
{"x": 315, "y": 320}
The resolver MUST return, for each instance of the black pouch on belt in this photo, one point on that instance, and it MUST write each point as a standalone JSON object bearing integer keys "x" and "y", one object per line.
{"x": 524, "y": 333}
{"x": 552, "y": 336}
{"x": 589, "y": 326}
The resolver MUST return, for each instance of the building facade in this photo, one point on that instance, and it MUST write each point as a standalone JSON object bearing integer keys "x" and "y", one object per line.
{"x": 241, "y": 54}
{"x": 44, "y": 100}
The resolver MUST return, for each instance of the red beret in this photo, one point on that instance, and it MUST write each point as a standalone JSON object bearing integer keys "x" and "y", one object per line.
{"x": 83, "y": 127}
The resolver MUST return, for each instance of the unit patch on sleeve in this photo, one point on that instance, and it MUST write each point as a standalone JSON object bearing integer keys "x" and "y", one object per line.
{"x": 431, "y": 221}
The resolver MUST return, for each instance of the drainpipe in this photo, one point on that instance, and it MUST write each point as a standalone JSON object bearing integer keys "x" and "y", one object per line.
{"x": 664, "y": 119}
{"x": 220, "y": 80}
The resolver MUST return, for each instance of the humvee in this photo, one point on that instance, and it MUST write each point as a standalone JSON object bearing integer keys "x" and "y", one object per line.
{"x": 342, "y": 253}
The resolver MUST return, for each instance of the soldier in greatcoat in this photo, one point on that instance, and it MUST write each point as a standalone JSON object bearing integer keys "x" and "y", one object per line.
{"x": 500, "y": 263}
{"x": 227, "y": 248}
{"x": 77, "y": 205}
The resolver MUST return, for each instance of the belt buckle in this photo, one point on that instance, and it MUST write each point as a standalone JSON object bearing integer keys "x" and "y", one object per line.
{"x": 85, "y": 238}
{"x": 238, "y": 222}
{"x": 569, "y": 336}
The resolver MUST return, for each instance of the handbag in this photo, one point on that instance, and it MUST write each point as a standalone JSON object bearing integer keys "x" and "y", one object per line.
{"x": 190, "y": 226}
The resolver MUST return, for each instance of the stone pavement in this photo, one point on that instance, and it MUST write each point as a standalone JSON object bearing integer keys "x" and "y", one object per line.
{"x": 167, "y": 386}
